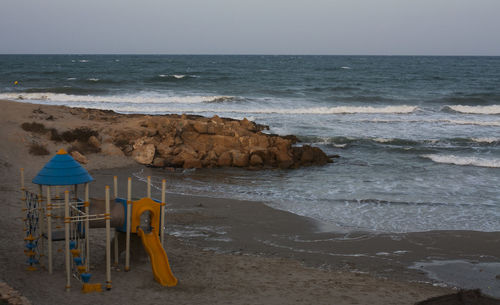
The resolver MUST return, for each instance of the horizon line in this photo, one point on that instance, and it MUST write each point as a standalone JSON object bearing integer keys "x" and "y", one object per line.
{"x": 250, "y": 54}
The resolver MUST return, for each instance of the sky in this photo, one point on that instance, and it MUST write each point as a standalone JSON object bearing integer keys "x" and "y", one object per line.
{"x": 336, "y": 27}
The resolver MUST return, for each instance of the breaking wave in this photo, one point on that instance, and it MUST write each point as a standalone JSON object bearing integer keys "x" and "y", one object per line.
{"x": 493, "y": 109}
{"x": 457, "y": 160}
{"x": 339, "y": 110}
{"x": 63, "y": 95}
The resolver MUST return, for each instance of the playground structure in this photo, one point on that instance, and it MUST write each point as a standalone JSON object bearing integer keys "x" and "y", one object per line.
{"x": 46, "y": 214}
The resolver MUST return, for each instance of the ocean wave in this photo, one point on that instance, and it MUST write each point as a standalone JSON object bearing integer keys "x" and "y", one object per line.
{"x": 338, "y": 110}
{"x": 172, "y": 77}
{"x": 63, "y": 95}
{"x": 465, "y": 161}
{"x": 492, "y": 109}
{"x": 486, "y": 140}
{"x": 223, "y": 99}
{"x": 341, "y": 142}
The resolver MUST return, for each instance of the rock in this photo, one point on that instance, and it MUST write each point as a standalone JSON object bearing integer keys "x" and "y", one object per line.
{"x": 144, "y": 154}
{"x": 111, "y": 150}
{"x": 307, "y": 156}
{"x": 224, "y": 143}
{"x": 94, "y": 142}
{"x": 248, "y": 125}
{"x": 165, "y": 148}
{"x": 201, "y": 127}
{"x": 225, "y": 159}
{"x": 239, "y": 159}
{"x": 256, "y": 160}
{"x": 191, "y": 141}
{"x": 189, "y": 136}
{"x": 158, "y": 162}
{"x": 79, "y": 157}
{"x": 192, "y": 163}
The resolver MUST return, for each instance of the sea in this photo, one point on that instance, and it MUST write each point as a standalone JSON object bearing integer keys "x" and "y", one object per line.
{"x": 418, "y": 137}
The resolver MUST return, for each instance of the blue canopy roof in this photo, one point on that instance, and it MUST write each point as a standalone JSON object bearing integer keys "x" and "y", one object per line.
{"x": 62, "y": 169}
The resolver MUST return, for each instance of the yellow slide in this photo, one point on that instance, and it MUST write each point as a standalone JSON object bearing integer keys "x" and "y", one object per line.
{"x": 159, "y": 261}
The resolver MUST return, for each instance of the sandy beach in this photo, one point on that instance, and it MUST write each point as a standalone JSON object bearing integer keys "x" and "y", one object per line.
{"x": 226, "y": 251}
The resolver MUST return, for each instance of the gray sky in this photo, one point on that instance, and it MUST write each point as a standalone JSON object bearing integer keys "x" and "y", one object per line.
{"x": 403, "y": 27}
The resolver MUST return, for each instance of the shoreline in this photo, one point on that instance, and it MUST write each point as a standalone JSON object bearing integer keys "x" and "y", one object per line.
{"x": 228, "y": 250}
{"x": 242, "y": 227}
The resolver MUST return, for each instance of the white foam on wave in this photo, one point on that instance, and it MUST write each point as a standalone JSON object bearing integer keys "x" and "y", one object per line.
{"x": 177, "y": 76}
{"x": 83, "y": 60}
{"x": 71, "y": 78}
{"x": 127, "y": 103}
{"x": 120, "y": 100}
{"x": 470, "y": 161}
{"x": 382, "y": 140}
{"x": 346, "y": 68}
{"x": 486, "y": 140}
{"x": 338, "y": 110}
{"x": 493, "y": 109}
{"x": 93, "y": 79}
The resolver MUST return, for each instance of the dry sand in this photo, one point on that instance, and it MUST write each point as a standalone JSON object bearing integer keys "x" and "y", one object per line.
{"x": 246, "y": 268}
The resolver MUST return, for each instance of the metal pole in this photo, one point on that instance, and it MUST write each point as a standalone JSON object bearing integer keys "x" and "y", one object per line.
{"x": 49, "y": 228}
{"x": 67, "y": 220}
{"x": 87, "y": 228}
{"x": 107, "y": 217}
{"x": 129, "y": 211}
{"x": 149, "y": 187}
{"x": 115, "y": 243}
{"x": 162, "y": 212}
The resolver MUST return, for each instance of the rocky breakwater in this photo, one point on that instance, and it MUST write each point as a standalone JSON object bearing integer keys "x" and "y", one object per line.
{"x": 198, "y": 142}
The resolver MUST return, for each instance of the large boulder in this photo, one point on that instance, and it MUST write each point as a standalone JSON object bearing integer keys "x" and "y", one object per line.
{"x": 240, "y": 159}
{"x": 225, "y": 159}
{"x": 144, "y": 154}
{"x": 79, "y": 157}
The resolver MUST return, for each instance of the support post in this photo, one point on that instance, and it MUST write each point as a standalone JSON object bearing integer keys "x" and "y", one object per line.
{"x": 87, "y": 228}
{"x": 162, "y": 212}
{"x": 115, "y": 186}
{"x": 115, "y": 243}
{"x": 129, "y": 211}
{"x": 107, "y": 217}
{"x": 67, "y": 220}
{"x": 49, "y": 229}
{"x": 149, "y": 187}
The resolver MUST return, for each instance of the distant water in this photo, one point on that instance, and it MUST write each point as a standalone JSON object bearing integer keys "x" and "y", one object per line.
{"x": 419, "y": 136}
